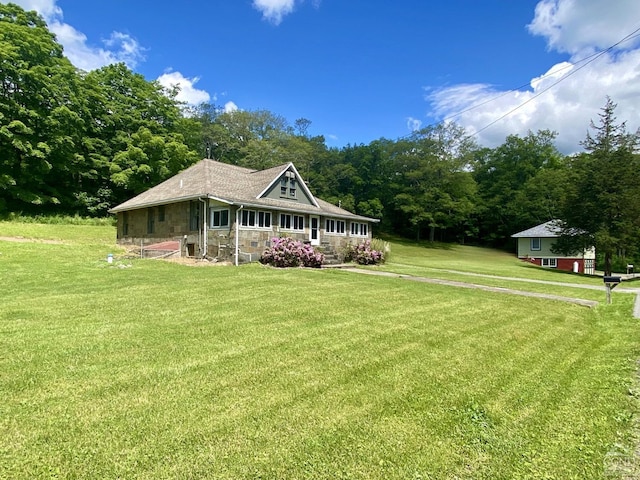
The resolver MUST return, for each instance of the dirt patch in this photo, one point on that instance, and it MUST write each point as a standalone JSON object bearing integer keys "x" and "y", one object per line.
{"x": 195, "y": 262}
{"x": 31, "y": 240}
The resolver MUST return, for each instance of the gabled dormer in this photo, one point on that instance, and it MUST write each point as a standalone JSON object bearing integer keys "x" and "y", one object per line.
{"x": 289, "y": 186}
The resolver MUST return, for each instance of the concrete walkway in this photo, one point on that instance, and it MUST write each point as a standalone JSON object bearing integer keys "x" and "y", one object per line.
{"x": 511, "y": 291}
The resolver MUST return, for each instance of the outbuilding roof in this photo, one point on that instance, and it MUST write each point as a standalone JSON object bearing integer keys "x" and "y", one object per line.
{"x": 232, "y": 185}
{"x": 550, "y": 229}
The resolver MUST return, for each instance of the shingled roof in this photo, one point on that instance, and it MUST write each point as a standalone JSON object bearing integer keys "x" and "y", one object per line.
{"x": 232, "y": 185}
{"x": 550, "y": 229}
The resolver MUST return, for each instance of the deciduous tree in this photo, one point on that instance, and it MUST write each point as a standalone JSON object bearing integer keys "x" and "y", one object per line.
{"x": 40, "y": 127}
{"x": 512, "y": 192}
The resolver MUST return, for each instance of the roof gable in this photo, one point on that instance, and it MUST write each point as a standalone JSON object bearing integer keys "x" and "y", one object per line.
{"x": 289, "y": 178}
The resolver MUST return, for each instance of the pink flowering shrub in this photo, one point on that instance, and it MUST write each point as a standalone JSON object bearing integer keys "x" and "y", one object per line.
{"x": 287, "y": 252}
{"x": 364, "y": 254}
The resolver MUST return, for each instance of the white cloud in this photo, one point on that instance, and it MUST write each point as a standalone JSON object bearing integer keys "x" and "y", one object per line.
{"x": 413, "y": 124}
{"x": 274, "y": 10}
{"x": 188, "y": 92}
{"x": 119, "y": 47}
{"x": 567, "y": 107}
{"x": 579, "y": 26}
{"x": 46, "y": 8}
{"x": 230, "y": 107}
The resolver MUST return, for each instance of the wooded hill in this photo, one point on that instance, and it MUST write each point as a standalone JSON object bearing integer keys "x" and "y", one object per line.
{"x": 76, "y": 142}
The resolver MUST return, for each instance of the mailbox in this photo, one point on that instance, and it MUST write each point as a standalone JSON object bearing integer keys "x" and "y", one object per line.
{"x": 611, "y": 282}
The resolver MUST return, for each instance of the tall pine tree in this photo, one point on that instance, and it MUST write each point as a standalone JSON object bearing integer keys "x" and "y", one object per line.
{"x": 602, "y": 206}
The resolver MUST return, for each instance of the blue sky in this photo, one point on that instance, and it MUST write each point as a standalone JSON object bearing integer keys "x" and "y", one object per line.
{"x": 362, "y": 70}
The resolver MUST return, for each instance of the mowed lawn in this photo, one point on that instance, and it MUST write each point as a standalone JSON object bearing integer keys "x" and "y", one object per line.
{"x": 155, "y": 370}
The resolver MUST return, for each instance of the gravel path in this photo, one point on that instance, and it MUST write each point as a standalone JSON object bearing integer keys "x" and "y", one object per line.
{"x": 510, "y": 291}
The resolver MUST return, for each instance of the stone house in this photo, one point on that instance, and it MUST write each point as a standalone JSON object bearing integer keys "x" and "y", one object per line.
{"x": 535, "y": 243}
{"x": 231, "y": 213}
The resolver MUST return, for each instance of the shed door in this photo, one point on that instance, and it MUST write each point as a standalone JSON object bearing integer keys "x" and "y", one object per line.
{"x": 314, "y": 230}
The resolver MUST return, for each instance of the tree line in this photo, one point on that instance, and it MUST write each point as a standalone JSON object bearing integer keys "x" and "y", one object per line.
{"x": 78, "y": 142}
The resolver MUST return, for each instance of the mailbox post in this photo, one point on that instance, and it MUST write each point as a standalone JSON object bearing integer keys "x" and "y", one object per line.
{"x": 611, "y": 283}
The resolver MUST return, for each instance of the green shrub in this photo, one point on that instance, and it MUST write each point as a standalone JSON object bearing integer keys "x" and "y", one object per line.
{"x": 365, "y": 254}
{"x": 382, "y": 246}
{"x": 62, "y": 219}
{"x": 287, "y": 252}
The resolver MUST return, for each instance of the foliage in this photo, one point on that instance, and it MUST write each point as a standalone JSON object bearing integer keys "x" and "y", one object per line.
{"x": 39, "y": 120}
{"x": 72, "y": 141}
{"x": 364, "y": 253}
{"x": 136, "y": 139}
{"x": 382, "y": 246}
{"x": 287, "y": 252}
{"x": 520, "y": 184}
{"x": 432, "y": 187}
{"x": 253, "y": 139}
{"x": 61, "y": 219}
{"x": 602, "y": 206}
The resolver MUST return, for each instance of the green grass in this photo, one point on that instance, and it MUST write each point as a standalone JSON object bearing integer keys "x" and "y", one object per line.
{"x": 476, "y": 260}
{"x": 148, "y": 369}
{"x": 492, "y": 268}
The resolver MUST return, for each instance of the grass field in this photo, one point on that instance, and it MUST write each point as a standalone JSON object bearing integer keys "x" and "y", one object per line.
{"x": 149, "y": 369}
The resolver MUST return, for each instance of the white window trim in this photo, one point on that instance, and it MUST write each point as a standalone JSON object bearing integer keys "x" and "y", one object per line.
{"x": 292, "y": 223}
{"x": 288, "y": 187}
{"x": 256, "y": 214}
{"x": 532, "y": 248}
{"x": 360, "y": 227}
{"x": 335, "y": 229}
{"x": 218, "y": 227}
{"x": 551, "y": 262}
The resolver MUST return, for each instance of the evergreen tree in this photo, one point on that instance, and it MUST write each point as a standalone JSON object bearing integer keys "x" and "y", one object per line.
{"x": 602, "y": 208}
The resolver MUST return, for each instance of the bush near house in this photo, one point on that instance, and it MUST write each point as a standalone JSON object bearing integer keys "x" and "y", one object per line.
{"x": 287, "y": 252}
{"x": 365, "y": 253}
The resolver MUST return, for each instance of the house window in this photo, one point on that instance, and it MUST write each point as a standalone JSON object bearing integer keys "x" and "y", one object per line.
{"x": 535, "y": 244}
{"x": 253, "y": 218}
{"x": 248, "y": 218}
{"x": 264, "y": 219}
{"x": 359, "y": 229}
{"x": 550, "y": 262}
{"x": 161, "y": 213}
{"x": 288, "y": 185}
{"x": 291, "y": 222}
{"x": 334, "y": 226}
{"x": 151, "y": 222}
{"x": 219, "y": 218}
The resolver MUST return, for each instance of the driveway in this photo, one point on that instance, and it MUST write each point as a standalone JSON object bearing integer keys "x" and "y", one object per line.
{"x": 510, "y": 291}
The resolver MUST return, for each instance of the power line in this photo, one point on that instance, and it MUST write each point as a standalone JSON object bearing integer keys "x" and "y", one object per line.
{"x": 564, "y": 77}
{"x": 587, "y": 60}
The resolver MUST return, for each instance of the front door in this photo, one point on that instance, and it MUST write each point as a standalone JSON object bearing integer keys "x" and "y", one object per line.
{"x": 314, "y": 230}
